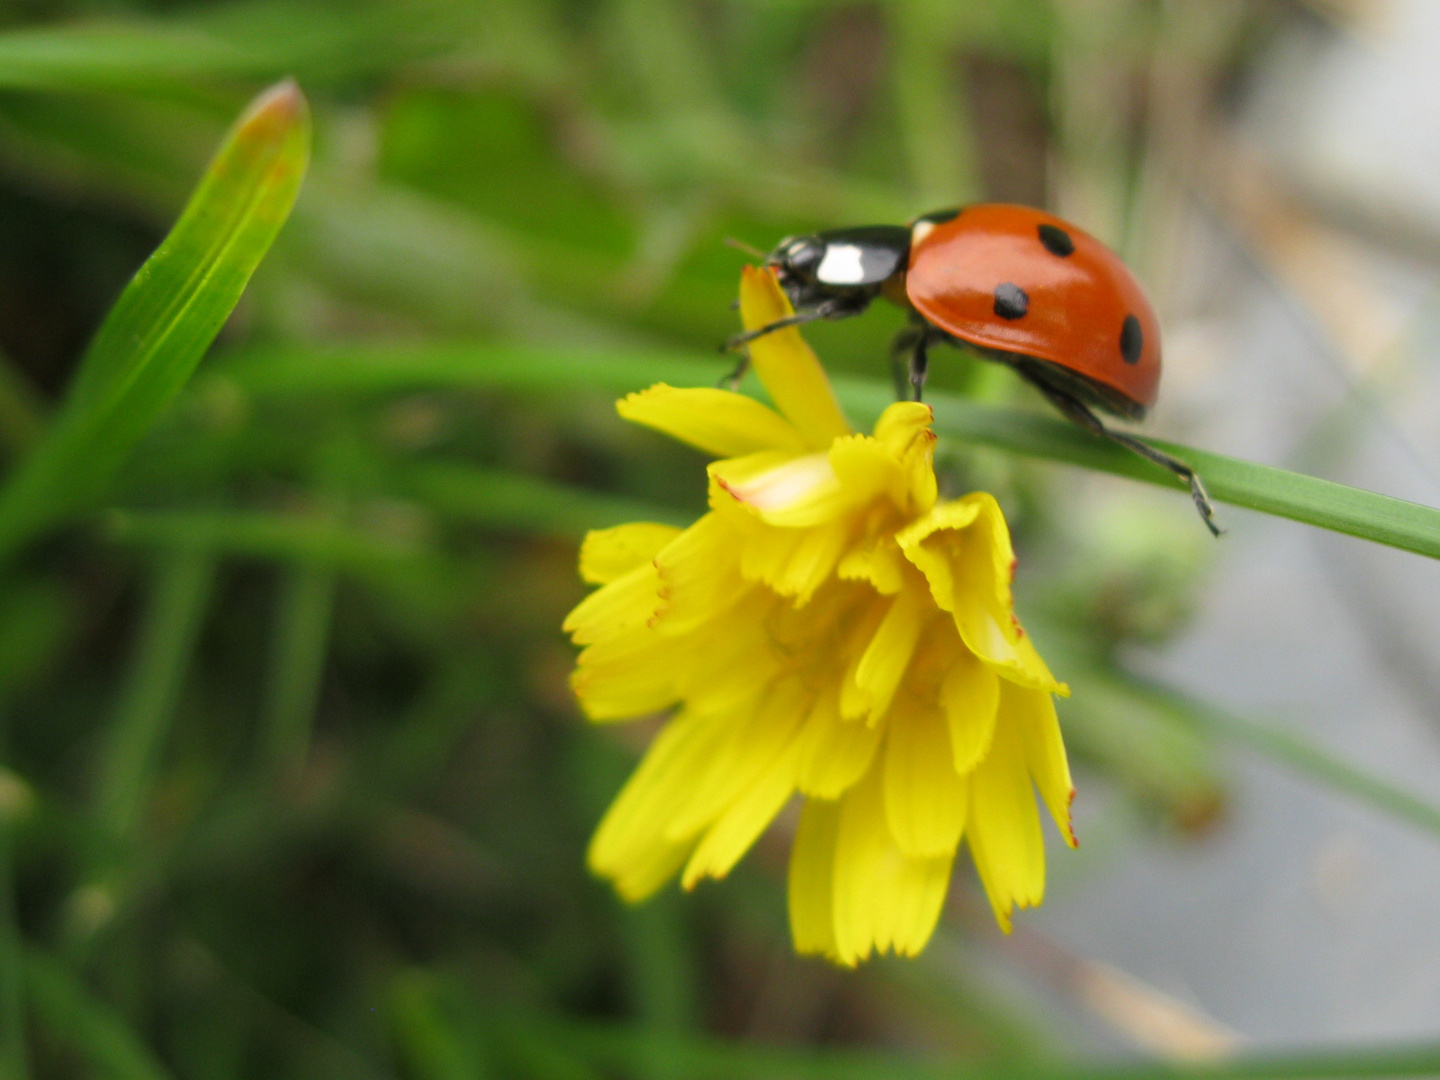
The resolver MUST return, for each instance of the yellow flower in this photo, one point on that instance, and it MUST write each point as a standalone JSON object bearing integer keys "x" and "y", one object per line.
{"x": 830, "y": 628}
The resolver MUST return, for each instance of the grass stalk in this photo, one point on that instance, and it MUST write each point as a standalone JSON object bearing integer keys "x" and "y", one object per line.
{"x": 1369, "y": 515}
{"x": 297, "y": 663}
{"x": 14, "y": 1056}
{"x": 179, "y": 593}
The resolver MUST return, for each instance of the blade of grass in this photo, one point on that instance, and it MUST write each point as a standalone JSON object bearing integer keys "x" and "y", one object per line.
{"x": 266, "y": 535}
{"x": 1308, "y": 499}
{"x": 428, "y": 1043}
{"x": 261, "y": 39}
{"x": 626, "y": 1049}
{"x": 94, "y": 57}
{"x": 1153, "y": 749}
{"x": 65, "y": 1008}
{"x": 297, "y": 663}
{"x": 166, "y": 318}
{"x": 15, "y": 801}
{"x": 22, "y": 410}
{"x": 508, "y": 500}
{"x": 179, "y": 594}
{"x": 1305, "y": 757}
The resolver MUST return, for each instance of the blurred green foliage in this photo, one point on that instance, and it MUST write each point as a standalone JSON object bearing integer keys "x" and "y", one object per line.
{"x": 292, "y": 784}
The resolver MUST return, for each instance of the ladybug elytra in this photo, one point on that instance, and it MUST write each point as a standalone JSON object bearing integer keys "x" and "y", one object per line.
{"x": 1016, "y": 284}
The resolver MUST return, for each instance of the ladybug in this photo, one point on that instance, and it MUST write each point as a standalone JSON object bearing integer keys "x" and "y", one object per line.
{"x": 1016, "y": 284}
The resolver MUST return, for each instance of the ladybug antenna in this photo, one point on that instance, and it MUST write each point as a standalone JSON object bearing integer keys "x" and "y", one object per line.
{"x": 740, "y": 245}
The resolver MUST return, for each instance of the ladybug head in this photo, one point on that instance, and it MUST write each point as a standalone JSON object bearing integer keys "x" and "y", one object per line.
{"x": 795, "y": 261}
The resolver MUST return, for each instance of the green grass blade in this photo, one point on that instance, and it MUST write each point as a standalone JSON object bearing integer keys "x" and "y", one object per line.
{"x": 15, "y": 802}
{"x": 627, "y": 1049}
{"x": 22, "y": 409}
{"x": 65, "y": 1009}
{"x": 166, "y": 318}
{"x": 264, "y": 535}
{"x": 507, "y": 500}
{"x": 111, "y": 57}
{"x": 427, "y": 1041}
{"x": 297, "y": 664}
{"x": 168, "y": 636}
{"x": 1366, "y": 514}
{"x": 1303, "y": 756}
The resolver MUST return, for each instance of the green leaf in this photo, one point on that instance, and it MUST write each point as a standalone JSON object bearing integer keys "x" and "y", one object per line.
{"x": 168, "y": 315}
{"x": 1366, "y": 514}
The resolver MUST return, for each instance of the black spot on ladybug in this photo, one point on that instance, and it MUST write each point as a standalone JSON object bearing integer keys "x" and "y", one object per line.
{"x": 1132, "y": 340}
{"x": 1012, "y": 303}
{"x": 1056, "y": 240}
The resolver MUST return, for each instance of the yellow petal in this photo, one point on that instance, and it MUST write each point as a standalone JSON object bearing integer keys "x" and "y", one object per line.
{"x": 904, "y": 431}
{"x": 717, "y": 421}
{"x": 963, "y": 549}
{"x": 835, "y": 753}
{"x": 883, "y": 899}
{"x": 756, "y": 735}
{"x": 812, "y": 876}
{"x": 608, "y": 554}
{"x": 627, "y": 676}
{"x": 786, "y": 365}
{"x": 629, "y": 601}
{"x": 630, "y": 845}
{"x": 970, "y": 696}
{"x": 925, "y": 798}
{"x": 698, "y": 576}
{"x": 792, "y": 492}
{"x": 724, "y": 663}
{"x": 1003, "y": 829}
{"x": 1033, "y": 713}
{"x": 876, "y": 559}
{"x": 745, "y": 818}
{"x": 874, "y": 680}
{"x": 811, "y": 563}
{"x": 867, "y": 470}
{"x": 792, "y": 562}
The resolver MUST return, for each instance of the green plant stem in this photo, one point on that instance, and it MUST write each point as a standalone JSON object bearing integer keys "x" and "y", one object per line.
{"x": 1331, "y": 770}
{"x": 1366, "y": 514}
{"x": 297, "y": 664}
{"x": 64, "y": 1008}
{"x": 179, "y": 594}
{"x": 14, "y": 1058}
{"x": 624, "y": 1050}
{"x": 22, "y": 410}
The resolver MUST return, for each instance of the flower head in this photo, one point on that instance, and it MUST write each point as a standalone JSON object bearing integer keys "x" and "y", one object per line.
{"x": 828, "y": 628}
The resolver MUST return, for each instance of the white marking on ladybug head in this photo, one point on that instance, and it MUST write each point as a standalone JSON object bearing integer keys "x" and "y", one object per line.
{"x": 843, "y": 264}
{"x": 921, "y": 230}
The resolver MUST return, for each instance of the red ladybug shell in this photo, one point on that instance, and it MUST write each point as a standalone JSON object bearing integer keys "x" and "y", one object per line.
{"x": 1019, "y": 280}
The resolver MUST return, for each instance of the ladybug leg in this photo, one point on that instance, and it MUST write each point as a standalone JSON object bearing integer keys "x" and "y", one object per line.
{"x": 902, "y": 349}
{"x": 732, "y": 380}
{"x": 919, "y": 363}
{"x": 1081, "y": 414}
{"x": 836, "y": 307}
{"x": 741, "y": 340}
